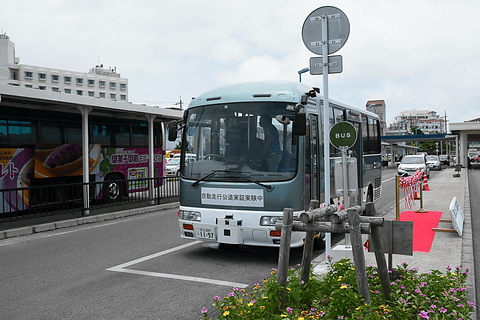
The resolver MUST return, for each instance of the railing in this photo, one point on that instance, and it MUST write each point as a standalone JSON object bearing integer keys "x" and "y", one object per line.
{"x": 38, "y": 201}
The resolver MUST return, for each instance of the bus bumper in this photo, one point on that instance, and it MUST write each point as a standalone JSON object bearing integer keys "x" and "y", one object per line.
{"x": 232, "y": 229}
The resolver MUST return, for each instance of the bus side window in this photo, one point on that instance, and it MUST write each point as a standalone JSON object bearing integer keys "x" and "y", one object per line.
{"x": 157, "y": 135}
{"x": 366, "y": 143}
{"x": 3, "y": 132}
{"x": 375, "y": 137}
{"x": 22, "y": 132}
{"x": 336, "y": 115}
{"x": 122, "y": 136}
{"x": 139, "y": 136}
{"x": 52, "y": 133}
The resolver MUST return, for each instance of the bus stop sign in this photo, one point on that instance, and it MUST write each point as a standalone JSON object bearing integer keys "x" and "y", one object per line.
{"x": 343, "y": 135}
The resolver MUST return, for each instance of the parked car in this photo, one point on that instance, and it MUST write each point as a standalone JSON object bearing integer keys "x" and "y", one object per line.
{"x": 411, "y": 163}
{"x": 172, "y": 167}
{"x": 434, "y": 162}
{"x": 444, "y": 159}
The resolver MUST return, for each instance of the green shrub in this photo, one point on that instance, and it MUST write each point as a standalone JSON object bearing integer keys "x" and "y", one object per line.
{"x": 334, "y": 295}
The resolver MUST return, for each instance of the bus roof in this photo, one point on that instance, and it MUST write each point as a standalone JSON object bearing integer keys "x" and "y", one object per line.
{"x": 253, "y": 91}
{"x": 263, "y": 91}
{"x": 55, "y": 101}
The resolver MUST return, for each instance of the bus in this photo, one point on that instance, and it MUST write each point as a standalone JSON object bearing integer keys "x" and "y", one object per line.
{"x": 41, "y": 144}
{"x": 240, "y": 183}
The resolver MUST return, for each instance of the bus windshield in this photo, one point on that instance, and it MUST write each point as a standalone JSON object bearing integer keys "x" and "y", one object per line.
{"x": 239, "y": 141}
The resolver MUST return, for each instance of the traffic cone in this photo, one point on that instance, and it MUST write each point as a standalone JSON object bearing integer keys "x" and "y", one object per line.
{"x": 425, "y": 183}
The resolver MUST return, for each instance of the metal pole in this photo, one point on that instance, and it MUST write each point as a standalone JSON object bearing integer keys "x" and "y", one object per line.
{"x": 326, "y": 125}
{"x": 85, "y": 158}
{"x": 151, "y": 157}
{"x": 346, "y": 202}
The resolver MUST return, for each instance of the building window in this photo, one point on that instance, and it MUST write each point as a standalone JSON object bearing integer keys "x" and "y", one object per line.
{"x": 91, "y": 94}
{"x": 55, "y": 78}
{"x": 42, "y": 88}
{"x": 28, "y": 86}
{"x": 28, "y": 74}
{"x": 123, "y": 86}
{"x": 102, "y": 95}
{"x": 42, "y": 76}
{"x": 113, "y": 85}
{"x": 123, "y": 97}
{"x": 79, "y": 92}
{"x": 79, "y": 81}
{"x": 55, "y": 89}
{"x": 68, "y": 80}
{"x": 68, "y": 91}
{"x": 101, "y": 84}
{"x": 112, "y": 96}
{"x": 91, "y": 82}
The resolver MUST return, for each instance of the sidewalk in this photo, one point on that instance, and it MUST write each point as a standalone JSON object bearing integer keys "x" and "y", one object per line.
{"x": 448, "y": 249}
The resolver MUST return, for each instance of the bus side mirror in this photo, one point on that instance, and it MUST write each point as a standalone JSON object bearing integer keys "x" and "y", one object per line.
{"x": 300, "y": 123}
{"x": 172, "y": 131}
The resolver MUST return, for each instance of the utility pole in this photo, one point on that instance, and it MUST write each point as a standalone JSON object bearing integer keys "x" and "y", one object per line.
{"x": 180, "y": 103}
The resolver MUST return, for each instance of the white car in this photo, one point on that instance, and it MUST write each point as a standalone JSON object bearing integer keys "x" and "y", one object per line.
{"x": 434, "y": 163}
{"x": 172, "y": 167}
{"x": 411, "y": 163}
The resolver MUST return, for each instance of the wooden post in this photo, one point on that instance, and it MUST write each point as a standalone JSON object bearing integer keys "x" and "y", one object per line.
{"x": 308, "y": 246}
{"x": 379, "y": 253}
{"x": 358, "y": 256}
{"x": 284, "y": 252}
{"x": 421, "y": 210}
{"x": 381, "y": 263}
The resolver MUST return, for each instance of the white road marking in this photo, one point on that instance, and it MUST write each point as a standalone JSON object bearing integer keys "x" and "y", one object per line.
{"x": 123, "y": 268}
{"x": 388, "y": 179}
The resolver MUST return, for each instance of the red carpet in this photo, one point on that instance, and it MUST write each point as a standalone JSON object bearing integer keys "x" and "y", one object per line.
{"x": 422, "y": 228}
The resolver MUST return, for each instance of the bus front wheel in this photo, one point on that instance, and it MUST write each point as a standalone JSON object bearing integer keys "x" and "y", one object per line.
{"x": 113, "y": 188}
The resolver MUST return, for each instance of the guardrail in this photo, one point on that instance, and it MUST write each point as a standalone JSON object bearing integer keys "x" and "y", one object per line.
{"x": 38, "y": 201}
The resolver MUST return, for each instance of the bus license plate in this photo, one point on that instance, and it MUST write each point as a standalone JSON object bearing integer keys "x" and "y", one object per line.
{"x": 205, "y": 233}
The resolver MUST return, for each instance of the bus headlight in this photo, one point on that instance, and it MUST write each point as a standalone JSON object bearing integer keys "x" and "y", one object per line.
{"x": 269, "y": 220}
{"x": 189, "y": 215}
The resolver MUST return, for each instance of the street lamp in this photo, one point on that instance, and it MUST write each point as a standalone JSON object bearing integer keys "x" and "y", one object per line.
{"x": 300, "y": 73}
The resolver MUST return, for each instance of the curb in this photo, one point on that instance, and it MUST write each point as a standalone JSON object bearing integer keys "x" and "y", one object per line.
{"x": 24, "y": 231}
{"x": 467, "y": 257}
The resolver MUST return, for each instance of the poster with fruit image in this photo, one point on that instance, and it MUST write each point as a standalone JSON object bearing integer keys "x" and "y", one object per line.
{"x": 65, "y": 160}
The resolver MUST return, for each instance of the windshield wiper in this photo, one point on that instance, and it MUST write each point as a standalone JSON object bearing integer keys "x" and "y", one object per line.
{"x": 211, "y": 174}
{"x": 266, "y": 186}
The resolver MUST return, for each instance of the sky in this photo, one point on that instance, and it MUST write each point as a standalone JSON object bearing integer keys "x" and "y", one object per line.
{"x": 413, "y": 54}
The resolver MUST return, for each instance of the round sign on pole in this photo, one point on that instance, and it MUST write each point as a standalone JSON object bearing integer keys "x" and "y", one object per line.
{"x": 338, "y": 29}
{"x": 343, "y": 134}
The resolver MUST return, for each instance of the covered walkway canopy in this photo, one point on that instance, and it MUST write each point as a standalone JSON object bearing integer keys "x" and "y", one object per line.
{"x": 468, "y": 132}
{"x": 395, "y": 144}
{"x": 23, "y": 98}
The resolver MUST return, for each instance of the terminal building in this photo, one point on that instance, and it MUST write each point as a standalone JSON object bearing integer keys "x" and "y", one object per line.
{"x": 98, "y": 82}
{"x": 428, "y": 121}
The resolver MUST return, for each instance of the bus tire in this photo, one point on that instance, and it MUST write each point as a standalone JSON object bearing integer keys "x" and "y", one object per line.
{"x": 370, "y": 194}
{"x": 368, "y": 199}
{"x": 113, "y": 190}
{"x": 318, "y": 241}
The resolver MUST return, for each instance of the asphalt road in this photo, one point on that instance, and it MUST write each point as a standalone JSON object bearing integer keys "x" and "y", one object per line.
{"x": 132, "y": 268}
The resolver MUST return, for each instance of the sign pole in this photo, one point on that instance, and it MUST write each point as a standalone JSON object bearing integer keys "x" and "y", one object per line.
{"x": 326, "y": 17}
{"x": 346, "y": 200}
{"x": 326, "y": 126}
